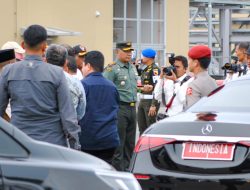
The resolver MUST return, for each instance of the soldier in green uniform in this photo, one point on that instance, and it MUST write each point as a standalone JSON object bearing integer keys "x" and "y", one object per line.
{"x": 148, "y": 106}
{"x": 124, "y": 76}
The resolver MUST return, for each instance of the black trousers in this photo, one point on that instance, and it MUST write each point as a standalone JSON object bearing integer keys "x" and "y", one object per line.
{"x": 105, "y": 154}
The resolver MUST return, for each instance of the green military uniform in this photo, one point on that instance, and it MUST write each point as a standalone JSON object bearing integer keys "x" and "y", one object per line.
{"x": 124, "y": 76}
{"x": 149, "y": 76}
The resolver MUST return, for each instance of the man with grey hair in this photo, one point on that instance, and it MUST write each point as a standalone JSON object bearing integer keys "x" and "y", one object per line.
{"x": 40, "y": 99}
{"x": 57, "y": 55}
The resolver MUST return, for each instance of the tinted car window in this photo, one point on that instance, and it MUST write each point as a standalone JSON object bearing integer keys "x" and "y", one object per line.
{"x": 233, "y": 97}
{"x": 9, "y": 147}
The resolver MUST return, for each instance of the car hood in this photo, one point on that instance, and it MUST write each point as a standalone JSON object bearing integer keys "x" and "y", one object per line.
{"x": 187, "y": 123}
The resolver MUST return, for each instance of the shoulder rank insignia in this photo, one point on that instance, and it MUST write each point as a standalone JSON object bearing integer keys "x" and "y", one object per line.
{"x": 109, "y": 66}
{"x": 108, "y": 69}
{"x": 112, "y": 63}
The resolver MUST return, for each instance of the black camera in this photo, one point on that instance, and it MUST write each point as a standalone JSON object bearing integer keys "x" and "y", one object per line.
{"x": 167, "y": 70}
{"x": 231, "y": 67}
{"x": 171, "y": 60}
{"x": 241, "y": 68}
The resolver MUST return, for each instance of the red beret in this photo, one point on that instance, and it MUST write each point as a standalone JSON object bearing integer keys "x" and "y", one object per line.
{"x": 199, "y": 51}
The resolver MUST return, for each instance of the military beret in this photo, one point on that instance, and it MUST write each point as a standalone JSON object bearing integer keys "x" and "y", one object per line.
{"x": 7, "y": 55}
{"x": 149, "y": 53}
{"x": 124, "y": 46}
{"x": 199, "y": 51}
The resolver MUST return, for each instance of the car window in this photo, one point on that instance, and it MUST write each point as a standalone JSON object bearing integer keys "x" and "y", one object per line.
{"x": 233, "y": 97}
{"x": 9, "y": 147}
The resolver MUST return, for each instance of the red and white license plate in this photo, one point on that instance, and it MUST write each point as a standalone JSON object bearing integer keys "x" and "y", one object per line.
{"x": 207, "y": 151}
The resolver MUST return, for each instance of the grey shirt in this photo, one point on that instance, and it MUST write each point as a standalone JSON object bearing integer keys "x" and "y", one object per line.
{"x": 41, "y": 104}
{"x": 201, "y": 86}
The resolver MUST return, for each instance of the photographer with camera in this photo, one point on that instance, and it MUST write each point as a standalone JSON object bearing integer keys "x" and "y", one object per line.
{"x": 172, "y": 86}
{"x": 203, "y": 84}
{"x": 239, "y": 67}
{"x": 148, "y": 106}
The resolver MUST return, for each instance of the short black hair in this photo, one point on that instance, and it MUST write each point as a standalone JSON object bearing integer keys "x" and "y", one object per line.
{"x": 70, "y": 50}
{"x": 96, "y": 60}
{"x": 72, "y": 66}
{"x": 183, "y": 60}
{"x": 243, "y": 45}
{"x": 56, "y": 55}
{"x": 204, "y": 62}
{"x": 34, "y": 35}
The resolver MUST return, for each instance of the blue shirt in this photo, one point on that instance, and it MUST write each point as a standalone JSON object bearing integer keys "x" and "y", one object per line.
{"x": 99, "y": 124}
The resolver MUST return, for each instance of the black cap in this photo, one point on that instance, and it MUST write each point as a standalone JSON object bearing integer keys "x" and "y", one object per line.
{"x": 80, "y": 50}
{"x": 124, "y": 46}
{"x": 7, "y": 55}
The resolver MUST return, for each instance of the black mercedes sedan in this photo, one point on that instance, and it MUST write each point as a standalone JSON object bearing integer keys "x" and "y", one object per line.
{"x": 206, "y": 147}
{"x": 26, "y": 164}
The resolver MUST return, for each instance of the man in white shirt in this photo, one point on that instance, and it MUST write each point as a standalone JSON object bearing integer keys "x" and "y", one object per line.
{"x": 174, "y": 87}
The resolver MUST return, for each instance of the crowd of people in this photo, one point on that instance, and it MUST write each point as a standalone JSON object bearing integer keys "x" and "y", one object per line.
{"x": 64, "y": 95}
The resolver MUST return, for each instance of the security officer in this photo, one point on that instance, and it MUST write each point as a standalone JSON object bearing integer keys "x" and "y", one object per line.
{"x": 148, "y": 106}
{"x": 203, "y": 84}
{"x": 124, "y": 76}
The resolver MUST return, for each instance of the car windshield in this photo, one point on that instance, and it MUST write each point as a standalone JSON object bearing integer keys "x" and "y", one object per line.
{"x": 234, "y": 97}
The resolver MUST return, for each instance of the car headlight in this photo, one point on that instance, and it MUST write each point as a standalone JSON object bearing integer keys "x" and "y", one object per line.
{"x": 119, "y": 180}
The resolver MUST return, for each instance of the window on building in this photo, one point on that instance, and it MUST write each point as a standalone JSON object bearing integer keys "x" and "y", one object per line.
{"x": 143, "y": 23}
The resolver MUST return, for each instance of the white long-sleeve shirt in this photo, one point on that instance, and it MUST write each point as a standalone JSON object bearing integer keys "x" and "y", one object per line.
{"x": 169, "y": 89}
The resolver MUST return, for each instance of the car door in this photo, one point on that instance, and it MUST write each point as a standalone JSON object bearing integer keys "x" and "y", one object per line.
{"x": 14, "y": 166}
{"x": 1, "y": 180}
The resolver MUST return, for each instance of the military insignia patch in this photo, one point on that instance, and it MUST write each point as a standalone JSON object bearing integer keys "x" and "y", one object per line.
{"x": 156, "y": 72}
{"x": 109, "y": 69}
{"x": 189, "y": 91}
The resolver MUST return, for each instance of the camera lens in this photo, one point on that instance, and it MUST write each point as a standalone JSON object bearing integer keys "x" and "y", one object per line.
{"x": 168, "y": 70}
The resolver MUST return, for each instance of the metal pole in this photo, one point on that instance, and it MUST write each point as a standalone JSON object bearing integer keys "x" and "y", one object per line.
{"x": 210, "y": 24}
{"x": 138, "y": 21}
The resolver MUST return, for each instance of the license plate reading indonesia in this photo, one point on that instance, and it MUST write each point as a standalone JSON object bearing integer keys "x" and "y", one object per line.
{"x": 207, "y": 151}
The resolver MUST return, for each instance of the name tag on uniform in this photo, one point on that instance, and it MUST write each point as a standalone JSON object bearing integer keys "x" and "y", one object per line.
{"x": 155, "y": 79}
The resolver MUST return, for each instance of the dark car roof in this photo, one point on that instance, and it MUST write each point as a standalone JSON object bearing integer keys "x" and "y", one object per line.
{"x": 46, "y": 152}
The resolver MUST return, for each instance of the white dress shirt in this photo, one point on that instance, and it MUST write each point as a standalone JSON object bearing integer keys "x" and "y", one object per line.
{"x": 169, "y": 89}
{"x": 79, "y": 75}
